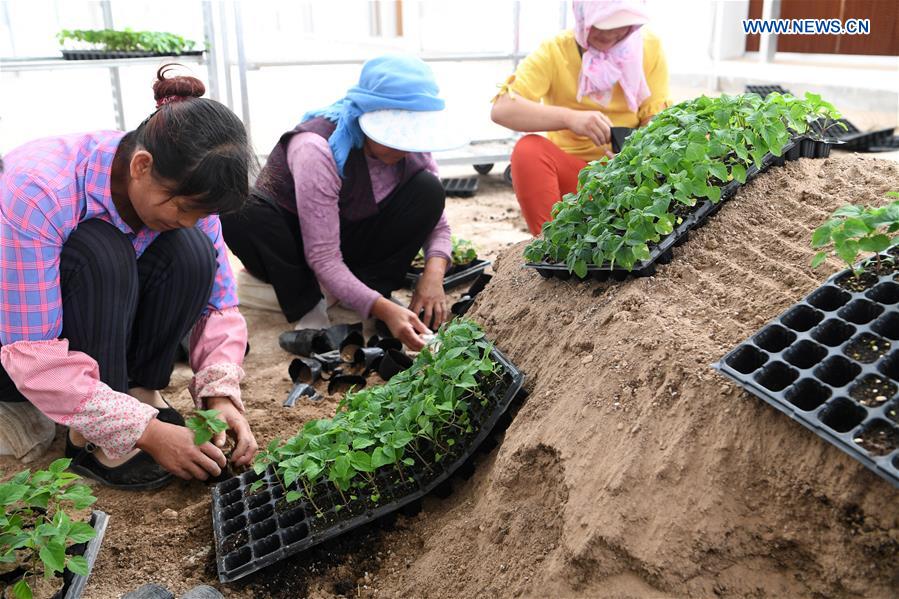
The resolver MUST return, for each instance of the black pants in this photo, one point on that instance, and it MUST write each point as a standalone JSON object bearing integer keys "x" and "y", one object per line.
{"x": 378, "y": 250}
{"x": 129, "y": 314}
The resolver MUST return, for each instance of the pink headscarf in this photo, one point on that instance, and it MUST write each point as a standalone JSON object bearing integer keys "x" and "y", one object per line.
{"x": 622, "y": 64}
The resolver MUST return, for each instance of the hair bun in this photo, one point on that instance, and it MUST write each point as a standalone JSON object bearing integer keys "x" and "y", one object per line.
{"x": 173, "y": 89}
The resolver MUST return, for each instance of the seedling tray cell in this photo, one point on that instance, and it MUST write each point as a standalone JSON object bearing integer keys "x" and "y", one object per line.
{"x": 256, "y": 529}
{"x": 764, "y": 90}
{"x": 831, "y": 363}
{"x": 464, "y": 187}
{"x": 455, "y": 276}
{"x": 889, "y": 144}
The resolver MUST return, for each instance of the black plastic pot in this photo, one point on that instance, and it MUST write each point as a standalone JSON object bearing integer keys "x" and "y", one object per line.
{"x": 299, "y": 391}
{"x": 344, "y": 382}
{"x": 350, "y": 344}
{"x": 369, "y": 357}
{"x": 304, "y": 342}
{"x": 393, "y": 363}
{"x": 619, "y": 135}
{"x": 465, "y": 302}
{"x": 385, "y": 343}
{"x": 305, "y": 370}
{"x": 455, "y": 276}
{"x": 256, "y": 529}
{"x": 831, "y": 362}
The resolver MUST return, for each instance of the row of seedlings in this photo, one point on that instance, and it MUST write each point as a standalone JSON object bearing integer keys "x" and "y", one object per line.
{"x": 386, "y": 447}
{"x": 670, "y": 177}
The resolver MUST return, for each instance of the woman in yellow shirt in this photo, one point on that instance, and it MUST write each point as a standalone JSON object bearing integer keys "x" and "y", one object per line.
{"x": 608, "y": 72}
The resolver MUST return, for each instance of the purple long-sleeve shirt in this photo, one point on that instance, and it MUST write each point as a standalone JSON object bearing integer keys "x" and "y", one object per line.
{"x": 317, "y": 191}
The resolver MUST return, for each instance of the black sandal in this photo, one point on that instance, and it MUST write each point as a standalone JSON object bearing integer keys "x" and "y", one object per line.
{"x": 140, "y": 473}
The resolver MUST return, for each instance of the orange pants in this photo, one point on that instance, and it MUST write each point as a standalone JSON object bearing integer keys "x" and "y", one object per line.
{"x": 541, "y": 175}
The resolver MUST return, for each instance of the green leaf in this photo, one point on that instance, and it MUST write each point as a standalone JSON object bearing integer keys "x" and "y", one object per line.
{"x": 81, "y": 532}
{"x": 293, "y": 496}
{"x": 202, "y": 435}
{"x": 848, "y": 251}
{"x": 874, "y": 243}
{"x": 11, "y": 493}
{"x": 819, "y": 259}
{"x": 855, "y": 227}
{"x": 738, "y": 171}
{"x": 78, "y": 565}
{"x": 580, "y": 269}
{"x": 59, "y": 465}
{"x": 22, "y": 590}
{"x": 53, "y": 555}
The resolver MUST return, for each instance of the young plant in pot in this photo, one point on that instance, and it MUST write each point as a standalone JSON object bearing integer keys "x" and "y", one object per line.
{"x": 41, "y": 520}
{"x": 463, "y": 254}
{"x": 852, "y": 230}
{"x": 206, "y": 424}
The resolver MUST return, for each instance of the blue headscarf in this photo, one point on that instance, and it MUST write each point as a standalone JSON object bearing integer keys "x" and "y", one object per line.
{"x": 387, "y": 82}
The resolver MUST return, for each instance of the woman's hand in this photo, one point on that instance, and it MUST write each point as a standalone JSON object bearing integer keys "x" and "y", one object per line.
{"x": 402, "y": 322}
{"x": 590, "y": 123}
{"x": 173, "y": 448}
{"x": 429, "y": 294}
{"x": 245, "y": 446}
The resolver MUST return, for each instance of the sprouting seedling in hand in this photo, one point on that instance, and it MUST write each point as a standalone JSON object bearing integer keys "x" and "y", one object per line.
{"x": 206, "y": 424}
{"x": 854, "y": 229}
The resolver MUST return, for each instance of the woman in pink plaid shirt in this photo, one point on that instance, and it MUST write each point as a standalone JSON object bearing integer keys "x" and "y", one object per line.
{"x": 110, "y": 252}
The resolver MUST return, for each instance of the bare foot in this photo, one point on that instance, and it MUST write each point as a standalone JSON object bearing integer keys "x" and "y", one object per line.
{"x": 78, "y": 440}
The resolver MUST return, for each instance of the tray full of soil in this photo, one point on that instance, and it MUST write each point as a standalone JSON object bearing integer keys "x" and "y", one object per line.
{"x": 276, "y": 511}
{"x": 831, "y": 363}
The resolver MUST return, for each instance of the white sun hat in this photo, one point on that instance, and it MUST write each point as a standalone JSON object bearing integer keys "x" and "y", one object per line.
{"x": 622, "y": 18}
{"x": 414, "y": 130}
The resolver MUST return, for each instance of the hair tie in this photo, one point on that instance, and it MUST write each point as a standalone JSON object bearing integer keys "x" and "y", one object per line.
{"x": 170, "y": 99}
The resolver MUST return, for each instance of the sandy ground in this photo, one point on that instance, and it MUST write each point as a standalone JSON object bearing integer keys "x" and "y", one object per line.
{"x": 632, "y": 470}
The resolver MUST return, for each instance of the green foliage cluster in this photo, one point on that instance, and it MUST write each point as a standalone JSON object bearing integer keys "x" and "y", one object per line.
{"x": 111, "y": 40}
{"x": 464, "y": 252}
{"x": 688, "y": 152}
{"x": 205, "y": 424}
{"x": 853, "y": 229}
{"x": 389, "y": 426}
{"x": 35, "y": 528}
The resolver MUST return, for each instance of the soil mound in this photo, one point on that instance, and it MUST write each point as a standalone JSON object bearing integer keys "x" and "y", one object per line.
{"x": 634, "y": 469}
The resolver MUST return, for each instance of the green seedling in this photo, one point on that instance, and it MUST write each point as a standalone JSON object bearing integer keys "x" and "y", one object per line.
{"x": 110, "y": 40}
{"x": 686, "y": 154}
{"x": 463, "y": 252}
{"x": 35, "y": 529}
{"x": 390, "y": 426}
{"x": 854, "y": 229}
{"x": 205, "y": 424}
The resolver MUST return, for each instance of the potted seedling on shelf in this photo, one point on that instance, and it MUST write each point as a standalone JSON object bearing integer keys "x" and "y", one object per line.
{"x": 41, "y": 521}
{"x": 852, "y": 230}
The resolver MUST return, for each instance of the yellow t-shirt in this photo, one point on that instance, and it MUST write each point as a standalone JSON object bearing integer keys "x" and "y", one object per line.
{"x": 550, "y": 75}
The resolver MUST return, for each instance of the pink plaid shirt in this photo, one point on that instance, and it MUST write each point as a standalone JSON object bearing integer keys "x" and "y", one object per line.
{"x": 48, "y": 188}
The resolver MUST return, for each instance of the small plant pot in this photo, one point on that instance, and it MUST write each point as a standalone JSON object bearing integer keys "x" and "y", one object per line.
{"x": 344, "y": 382}
{"x": 619, "y": 136}
{"x": 385, "y": 343}
{"x": 299, "y": 391}
{"x": 305, "y": 370}
{"x": 369, "y": 357}
{"x": 350, "y": 344}
{"x": 305, "y": 342}
{"x": 338, "y": 334}
{"x": 330, "y": 361}
{"x": 393, "y": 363}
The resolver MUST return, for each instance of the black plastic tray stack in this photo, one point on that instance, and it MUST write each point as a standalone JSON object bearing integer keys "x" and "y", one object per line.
{"x": 463, "y": 187}
{"x": 801, "y": 364}
{"x": 455, "y": 276}
{"x": 662, "y": 253}
{"x": 268, "y": 536}
{"x": 108, "y": 55}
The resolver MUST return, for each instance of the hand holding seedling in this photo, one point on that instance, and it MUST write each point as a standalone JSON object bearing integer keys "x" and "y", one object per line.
{"x": 245, "y": 447}
{"x": 173, "y": 448}
{"x": 403, "y": 323}
{"x": 429, "y": 295}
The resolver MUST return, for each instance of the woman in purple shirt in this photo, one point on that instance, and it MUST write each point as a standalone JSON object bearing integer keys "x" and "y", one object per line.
{"x": 347, "y": 199}
{"x": 110, "y": 252}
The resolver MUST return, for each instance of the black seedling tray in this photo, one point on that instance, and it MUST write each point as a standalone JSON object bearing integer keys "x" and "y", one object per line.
{"x": 455, "y": 276}
{"x": 807, "y": 364}
{"x": 619, "y": 136}
{"x": 889, "y": 144}
{"x": 75, "y": 583}
{"x": 662, "y": 252}
{"x": 853, "y": 138}
{"x": 250, "y": 532}
{"x": 764, "y": 90}
{"x": 464, "y": 187}
{"x": 106, "y": 55}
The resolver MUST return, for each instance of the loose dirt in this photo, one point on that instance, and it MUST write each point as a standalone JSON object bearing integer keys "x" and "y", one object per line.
{"x": 632, "y": 470}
